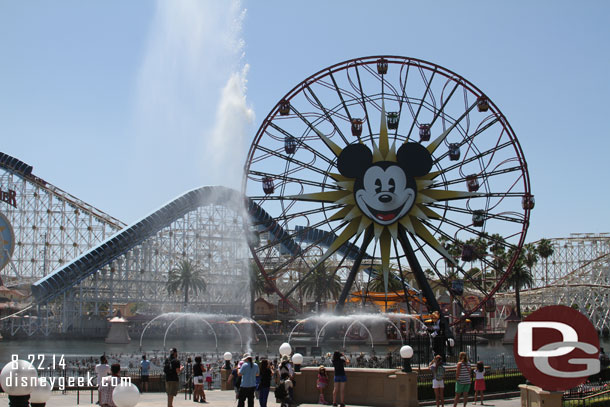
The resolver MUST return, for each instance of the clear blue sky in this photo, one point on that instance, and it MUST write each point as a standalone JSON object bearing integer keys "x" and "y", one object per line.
{"x": 116, "y": 102}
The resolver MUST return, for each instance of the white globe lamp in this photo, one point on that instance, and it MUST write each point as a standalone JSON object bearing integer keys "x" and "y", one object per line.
{"x": 227, "y": 357}
{"x": 406, "y": 353}
{"x": 126, "y": 394}
{"x": 41, "y": 393}
{"x": 18, "y": 379}
{"x": 451, "y": 342}
{"x": 297, "y": 359}
{"x": 285, "y": 349}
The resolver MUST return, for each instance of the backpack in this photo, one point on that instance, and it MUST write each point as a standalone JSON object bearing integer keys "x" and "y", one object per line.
{"x": 280, "y": 391}
{"x": 167, "y": 367}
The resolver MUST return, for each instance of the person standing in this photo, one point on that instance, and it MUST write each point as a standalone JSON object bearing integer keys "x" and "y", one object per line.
{"x": 172, "y": 369}
{"x": 438, "y": 380}
{"x": 321, "y": 383}
{"x": 266, "y": 372}
{"x": 198, "y": 369}
{"x": 208, "y": 376}
{"x": 479, "y": 381}
{"x": 248, "y": 372}
{"x": 107, "y": 385}
{"x": 462, "y": 379}
{"x": 102, "y": 370}
{"x": 339, "y": 362}
{"x": 144, "y": 372}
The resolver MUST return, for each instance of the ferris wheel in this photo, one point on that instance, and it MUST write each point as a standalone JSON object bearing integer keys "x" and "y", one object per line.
{"x": 391, "y": 161}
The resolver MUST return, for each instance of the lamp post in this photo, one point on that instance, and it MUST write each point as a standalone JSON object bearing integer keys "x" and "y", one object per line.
{"x": 125, "y": 394}
{"x": 18, "y": 378}
{"x": 285, "y": 349}
{"x": 41, "y": 392}
{"x": 297, "y": 359}
{"x": 227, "y": 357}
{"x": 406, "y": 353}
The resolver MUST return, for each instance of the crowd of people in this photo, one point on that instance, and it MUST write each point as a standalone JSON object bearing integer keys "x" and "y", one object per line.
{"x": 252, "y": 378}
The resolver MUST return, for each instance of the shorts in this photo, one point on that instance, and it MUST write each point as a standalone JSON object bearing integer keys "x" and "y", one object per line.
{"x": 438, "y": 384}
{"x": 340, "y": 379}
{"x": 321, "y": 385}
{"x": 462, "y": 388}
{"x": 208, "y": 379}
{"x": 479, "y": 385}
{"x": 171, "y": 388}
{"x": 144, "y": 378}
{"x": 197, "y": 380}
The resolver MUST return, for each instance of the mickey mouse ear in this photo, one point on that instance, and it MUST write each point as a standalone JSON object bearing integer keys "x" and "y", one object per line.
{"x": 415, "y": 159}
{"x": 354, "y": 160}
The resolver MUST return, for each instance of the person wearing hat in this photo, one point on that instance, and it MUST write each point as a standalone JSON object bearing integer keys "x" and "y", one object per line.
{"x": 248, "y": 372}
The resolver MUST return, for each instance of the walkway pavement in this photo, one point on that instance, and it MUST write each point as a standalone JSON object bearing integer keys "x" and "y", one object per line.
{"x": 215, "y": 398}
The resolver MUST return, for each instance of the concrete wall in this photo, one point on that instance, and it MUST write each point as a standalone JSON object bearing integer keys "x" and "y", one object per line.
{"x": 533, "y": 396}
{"x": 368, "y": 387}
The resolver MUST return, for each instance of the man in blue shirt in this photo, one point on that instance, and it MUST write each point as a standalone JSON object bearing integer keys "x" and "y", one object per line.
{"x": 248, "y": 372}
{"x": 144, "y": 369}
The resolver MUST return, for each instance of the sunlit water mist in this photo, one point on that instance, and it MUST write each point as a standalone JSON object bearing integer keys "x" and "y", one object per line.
{"x": 192, "y": 120}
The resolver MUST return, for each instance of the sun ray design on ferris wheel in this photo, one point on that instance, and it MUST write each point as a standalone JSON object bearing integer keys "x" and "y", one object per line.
{"x": 358, "y": 221}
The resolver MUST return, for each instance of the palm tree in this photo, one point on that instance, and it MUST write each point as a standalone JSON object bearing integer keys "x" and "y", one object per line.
{"x": 520, "y": 277}
{"x": 258, "y": 284}
{"x": 321, "y": 285}
{"x": 545, "y": 250}
{"x": 377, "y": 285}
{"x": 186, "y": 277}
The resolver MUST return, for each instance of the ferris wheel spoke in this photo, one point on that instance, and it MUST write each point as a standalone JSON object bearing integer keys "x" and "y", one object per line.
{"x": 301, "y": 181}
{"x": 312, "y": 269}
{"x": 302, "y": 144}
{"x": 437, "y": 142}
{"x": 328, "y": 116}
{"x": 334, "y": 148}
{"x": 468, "y": 139}
{"x": 293, "y": 160}
{"x": 293, "y": 215}
{"x": 291, "y": 260}
{"x": 486, "y": 177}
{"x": 349, "y": 282}
{"x": 402, "y": 98}
{"x": 442, "y": 108}
{"x": 421, "y": 103}
{"x": 363, "y": 97}
{"x": 459, "y": 164}
{"x": 293, "y": 235}
{"x": 487, "y": 215}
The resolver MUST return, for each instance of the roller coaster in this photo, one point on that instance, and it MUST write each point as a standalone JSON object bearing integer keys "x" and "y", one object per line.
{"x": 81, "y": 264}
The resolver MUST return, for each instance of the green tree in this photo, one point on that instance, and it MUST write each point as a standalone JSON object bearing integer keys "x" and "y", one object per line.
{"x": 394, "y": 283}
{"x": 258, "y": 284}
{"x": 320, "y": 285}
{"x": 520, "y": 277}
{"x": 545, "y": 250}
{"x": 186, "y": 277}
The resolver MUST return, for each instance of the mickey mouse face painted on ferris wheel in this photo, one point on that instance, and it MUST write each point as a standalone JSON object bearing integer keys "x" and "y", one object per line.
{"x": 385, "y": 191}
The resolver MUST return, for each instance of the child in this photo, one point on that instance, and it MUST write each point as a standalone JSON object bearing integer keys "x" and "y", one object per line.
{"x": 479, "y": 382}
{"x": 321, "y": 384}
{"x": 208, "y": 377}
{"x": 438, "y": 380}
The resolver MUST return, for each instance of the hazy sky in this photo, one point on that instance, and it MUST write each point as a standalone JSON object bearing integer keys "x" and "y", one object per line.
{"x": 127, "y": 105}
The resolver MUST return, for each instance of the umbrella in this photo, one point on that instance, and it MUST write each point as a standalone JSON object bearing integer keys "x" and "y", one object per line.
{"x": 428, "y": 321}
{"x": 230, "y": 322}
{"x": 245, "y": 321}
{"x": 276, "y": 321}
